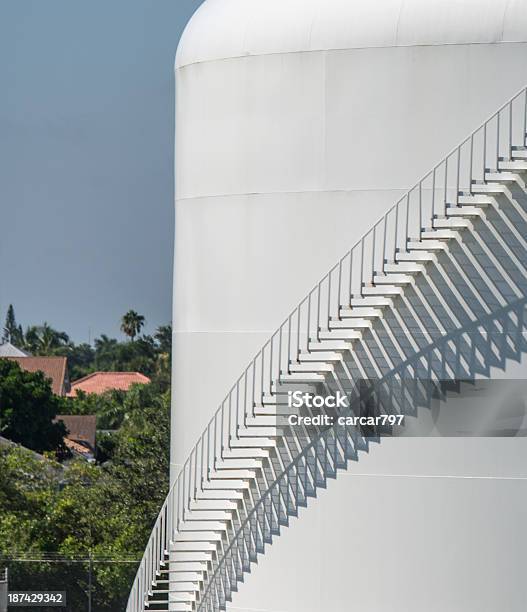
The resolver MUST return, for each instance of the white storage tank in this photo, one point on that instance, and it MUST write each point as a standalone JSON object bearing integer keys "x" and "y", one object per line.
{"x": 298, "y": 123}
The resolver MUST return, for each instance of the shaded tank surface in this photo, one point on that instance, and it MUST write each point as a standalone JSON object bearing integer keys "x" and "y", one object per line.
{"x": 298, "y": 123}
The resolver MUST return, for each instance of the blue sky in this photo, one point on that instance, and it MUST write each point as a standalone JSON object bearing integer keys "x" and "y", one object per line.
{"x": 86, "y": 160}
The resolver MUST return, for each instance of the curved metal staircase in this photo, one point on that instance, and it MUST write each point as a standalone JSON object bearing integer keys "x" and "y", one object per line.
{"x": 433, "y": 294}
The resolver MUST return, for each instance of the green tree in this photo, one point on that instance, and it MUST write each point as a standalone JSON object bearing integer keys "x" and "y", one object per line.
{"x": 44, "y": 339}
{"x": 89, "y": 509}
{"x": 12, "y": 331}
{"x": 132, "y": 323}
{"x": 27, "y": 409}
{"x": 163, "y": 337}
{"x": 81, "y": 358}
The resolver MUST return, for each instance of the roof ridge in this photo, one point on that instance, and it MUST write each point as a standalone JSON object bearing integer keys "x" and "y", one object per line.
{"x": 108, "y": 372}
{"x": 36, "y": 357}
{"x": 74, "y": 382}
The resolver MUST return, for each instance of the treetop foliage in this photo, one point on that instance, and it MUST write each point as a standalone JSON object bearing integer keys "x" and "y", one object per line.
{"x": 147, "y": 354}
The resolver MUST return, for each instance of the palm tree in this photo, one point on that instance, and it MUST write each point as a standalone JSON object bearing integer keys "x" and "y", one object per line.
{"x": 106, "y": 352}
{"x": 44, "y": 340}
{"x": 104, "y": 344}
{"x": 131, "y": 324}
{"x": 163, "y": 336}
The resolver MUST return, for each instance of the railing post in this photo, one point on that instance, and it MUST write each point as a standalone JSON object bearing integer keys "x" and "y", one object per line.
{"x": 458, "y": 172}
{"x": 318, "y": 311}
{"x": 420, "y": 209}
{"x": 471, "y": 162}
{"x": 374, "y": 236}
{"x": 433, "y": 192}
{"x": 498, "y": 117}
{"x": 445, "y": 199}
{"x": 524, "y": 124}
{"x": 361, "y": 270}
{"x": 484, "y": 153}
{"x": 407, "y": 219}
{"x": 329, "y": 301}
{"x": 340, "y": 289}
{"x": 289, "y": 344}
{"x": 298, "y": 334}
{"x": 384, "y": 237}
{"x": 350, "y": 291}
{"x": 308, "y": 318}
{"x": 396, "y": 230}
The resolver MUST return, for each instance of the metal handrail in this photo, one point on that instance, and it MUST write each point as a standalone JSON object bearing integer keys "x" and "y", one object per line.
{"x": 468, "y": 163}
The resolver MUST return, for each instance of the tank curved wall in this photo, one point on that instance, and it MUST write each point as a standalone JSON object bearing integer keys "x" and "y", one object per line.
{"x": 298, "y": 122}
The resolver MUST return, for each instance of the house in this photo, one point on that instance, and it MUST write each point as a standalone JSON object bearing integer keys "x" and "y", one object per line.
{"x": 100, "y": 382}
{"x": 81, "y": 434}
{"x": 10, "y": 350}
{"x": 54, "y": 368}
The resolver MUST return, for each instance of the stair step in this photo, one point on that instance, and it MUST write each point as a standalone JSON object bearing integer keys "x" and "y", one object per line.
{"x": 465, "y": 211}
{"x": 519, "y": 153}
{"x": 187, "y": 588}
{"x": 360, "y": 312}
{"x": 486, "y": 188}
{"x": 439, "y": 234}
{"x": 384, "y": 290}
{"x": 206, "y": 526}
{"x": 245, "y": 453}
{"x": 217, "y": 505}
{"x": 220, "y": 494}
{"x": 316, "y": 346}
{"x": 198, "y": 536}
{"x": 472, "y": 199}
{"x": 325, "y": 356}
{"x": 230, "y": 475}
{"x": 311, "y": 367}
{"x": 271, "y": 411}
{"x": 344, "y": 323}
{"x": 273, "y": 400}
{"x": 179, "y": 607}
{"x": 239, "y": 463}
{"x": 182, "y": 577}
{"x": 338, "y": 334}
{"x": 427, "y": 245}
{"x": 253, "y": 443}
{"x": 256, "y": 433}
{"x": 195, "y": 547}
{"x": 174, "y": 607}
{"x": 174, "y": 570}
{"x": 179, "y": 593}
{"x": 393, "y": 279}
{"x": 416, "y": 256}
{"x": 212, "y": 516}
{"x": 372, "y": 301}
{"x": 452, "y": 222}
{"x": 518, "y": 165}
{"x": 183, "y": 557}
{"x": 183, "y": 592}
{"x": 262, "y": 421}
{"x": 225, "y": 485}
{"x": 302, "y": 377}
{"x": 501, "y": 177}
{"x": 406, "y": 267}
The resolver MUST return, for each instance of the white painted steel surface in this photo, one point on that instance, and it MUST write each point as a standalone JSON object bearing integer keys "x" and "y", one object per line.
{"x": 298, "y": 124}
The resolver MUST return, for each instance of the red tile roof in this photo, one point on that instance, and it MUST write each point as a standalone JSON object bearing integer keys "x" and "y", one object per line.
{"x": 78, "y": 449}
{"x": 81, "y": 428}
{"x": 99, "y": 382}
{"x": 54, "y": 368}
